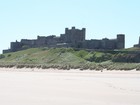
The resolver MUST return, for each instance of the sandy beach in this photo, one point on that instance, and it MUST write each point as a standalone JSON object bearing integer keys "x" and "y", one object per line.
{"x": 72, "y": 87}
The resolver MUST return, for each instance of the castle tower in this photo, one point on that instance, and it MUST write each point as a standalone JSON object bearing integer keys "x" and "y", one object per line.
{"x": 83, "y": 33}
{"x": 15, "y": 46}
{"x": 120, "y": 41}
{"x": 74, "y": 35}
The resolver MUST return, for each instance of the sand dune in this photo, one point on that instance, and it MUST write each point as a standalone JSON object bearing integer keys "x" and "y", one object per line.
{"x": 74, "y": 87}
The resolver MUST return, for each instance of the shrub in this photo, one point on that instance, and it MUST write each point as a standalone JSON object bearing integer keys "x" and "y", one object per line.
{"x": 124, "y": 57}
{"x": 2, "y": 56}
{"x": 20, "y": 66}
{"x": 82, "y": 53}
{"x": 8, "y": 55}
{"x": 99, "y": 57}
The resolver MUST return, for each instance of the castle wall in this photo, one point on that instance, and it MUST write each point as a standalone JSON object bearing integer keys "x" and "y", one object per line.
{"x": 108, "y": 44}
{"x": 63, "y": 38}
{"x": 100, "y": 44}
{"x": 47, "y": 41}
{"x": 7, "y": 51}
{"x": 30, "y": 43}
{"x": 92, "y": 44}
{"x": 41, "y": 41}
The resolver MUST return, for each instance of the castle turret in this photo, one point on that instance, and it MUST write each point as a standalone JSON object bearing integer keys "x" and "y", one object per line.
{"x": 66, "y": 30}
{"x": 83, "y": 33}
{"x": 120, "y": 41}
{"x": 73, "y": 28}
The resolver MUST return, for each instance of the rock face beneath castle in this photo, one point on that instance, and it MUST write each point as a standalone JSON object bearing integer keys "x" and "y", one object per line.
{"x": 73, "y": 37}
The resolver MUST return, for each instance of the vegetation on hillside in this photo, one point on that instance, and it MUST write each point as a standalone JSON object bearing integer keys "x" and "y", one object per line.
{"x": 68, "y": 58}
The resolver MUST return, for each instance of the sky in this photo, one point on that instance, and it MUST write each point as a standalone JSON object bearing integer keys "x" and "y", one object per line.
{"x": 26, "y": 19}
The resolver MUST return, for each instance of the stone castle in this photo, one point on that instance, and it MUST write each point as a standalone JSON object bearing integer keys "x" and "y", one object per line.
{"x": 74, "y": 38}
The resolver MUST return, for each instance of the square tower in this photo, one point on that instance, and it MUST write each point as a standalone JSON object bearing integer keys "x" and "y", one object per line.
{"x": 74, "y": 35}
{"x": 120, "y": 41}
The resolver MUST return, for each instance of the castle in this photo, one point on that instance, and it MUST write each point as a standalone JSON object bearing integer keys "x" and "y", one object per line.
{"x": 73, "y": 37}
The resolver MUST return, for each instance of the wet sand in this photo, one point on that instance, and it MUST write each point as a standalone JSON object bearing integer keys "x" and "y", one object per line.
{"x": 73, "y": 87}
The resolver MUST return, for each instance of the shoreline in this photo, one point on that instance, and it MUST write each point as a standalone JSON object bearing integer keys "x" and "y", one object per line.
{"x": 65, "y": 70}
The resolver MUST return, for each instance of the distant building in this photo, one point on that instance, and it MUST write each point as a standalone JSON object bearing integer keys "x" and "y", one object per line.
{"x": 74, "y": 38}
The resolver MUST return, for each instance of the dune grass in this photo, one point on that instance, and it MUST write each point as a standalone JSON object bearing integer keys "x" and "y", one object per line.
{"x": 64, "y": 58}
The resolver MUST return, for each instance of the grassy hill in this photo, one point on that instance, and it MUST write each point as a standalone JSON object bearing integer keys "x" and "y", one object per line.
{"x": 67, "y": 58}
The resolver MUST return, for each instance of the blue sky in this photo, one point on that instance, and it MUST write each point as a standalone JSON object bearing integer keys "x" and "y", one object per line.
{"x": 25, "y": 19}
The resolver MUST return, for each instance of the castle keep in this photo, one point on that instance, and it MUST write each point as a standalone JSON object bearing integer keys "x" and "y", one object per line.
{"x": 73, "y": 37}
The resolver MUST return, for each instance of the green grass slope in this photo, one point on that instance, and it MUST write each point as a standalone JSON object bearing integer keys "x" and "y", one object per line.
{"x": 67, "y": 58}
{"x": 42, "y": 57}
